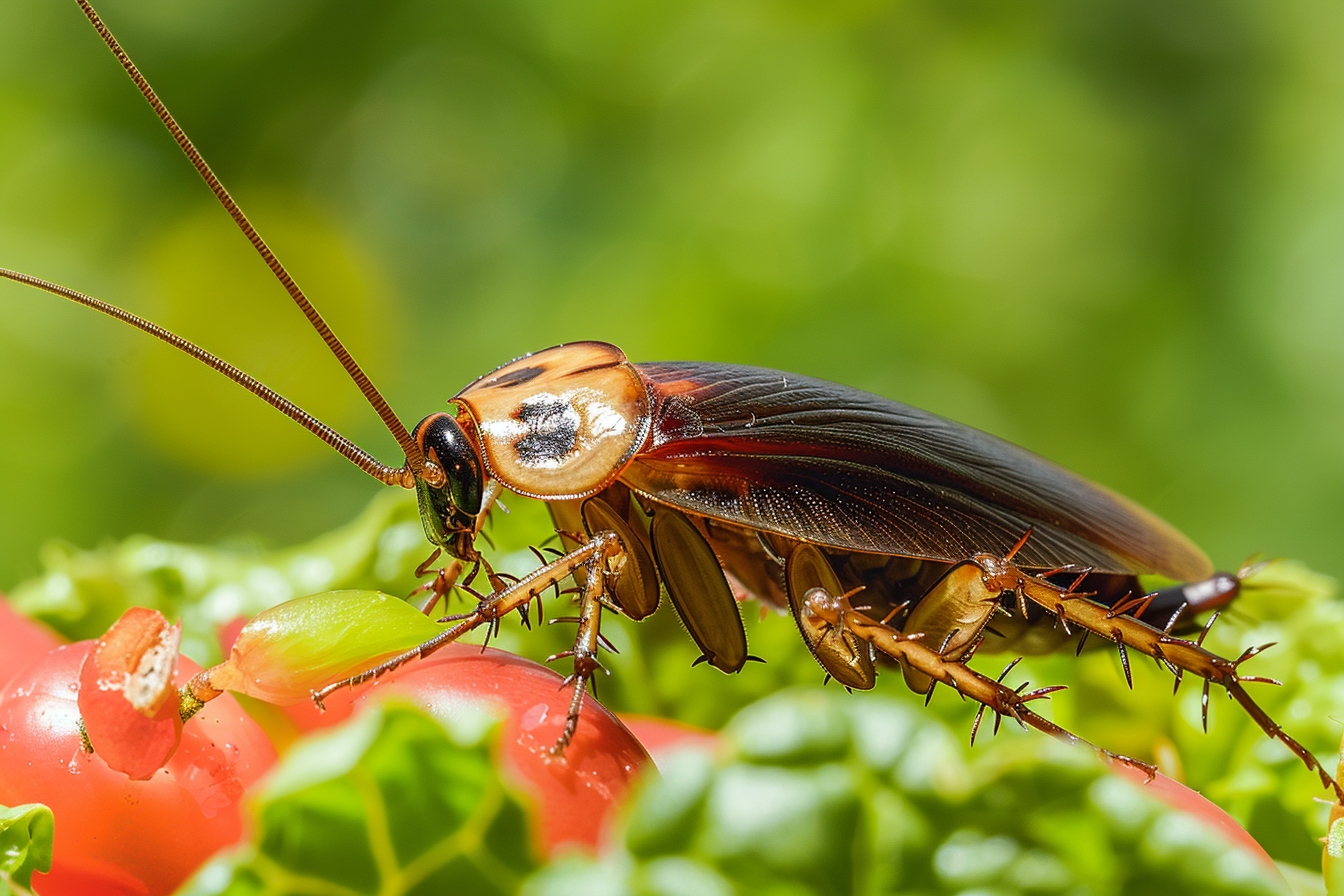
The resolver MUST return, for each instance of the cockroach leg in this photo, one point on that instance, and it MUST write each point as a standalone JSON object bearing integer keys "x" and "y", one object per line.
{"x": 601, "y": 558}
{"x": 909, "y": 650}
{"x": 475, "y": 571}
{"x": 1171, "y": 623}
{"x": 572, "y": 537}
{"x": 1128, "y": 632}
{"x": 495, "y": 607}
{"x": 586, "y": 643}
{"x": 423, "y": 569}
{"x": 1124, "y": 659}
{"x": 980, "y": 713}
{"x": 1082, "y": 574}
{"x": 1138, "y": 604}
{"x": 444, "y": 580}
{"x": 446, "y": 577}
{"x": 895, "y": 611}
{"x": 1163, "y": 662}
{"x": 1019, "y": 545}
{"x": 489, "y": 498}
{"x": 1063, "y": 622}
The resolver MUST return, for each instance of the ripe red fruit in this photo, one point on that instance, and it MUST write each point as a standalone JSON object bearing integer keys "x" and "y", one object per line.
{"x": 662, "y": 737}
{"x": 1176, "y": 795}
{"x": 22, "y": 641}
{"x": 284, "y": 652}
{"x": 115, "y": 835}
{"x": 574, "y": 794}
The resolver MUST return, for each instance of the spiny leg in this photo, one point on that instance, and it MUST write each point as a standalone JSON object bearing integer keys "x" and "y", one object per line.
{"x": 487, "y": 612}
{"x": 1127, "y": 632}
{"x": 446, "y": 577}
{"x": 911, "y": 650}
{"x": 586, "y": 642}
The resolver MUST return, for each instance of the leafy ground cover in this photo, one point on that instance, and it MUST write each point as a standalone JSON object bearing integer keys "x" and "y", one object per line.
{"x": 810, "y": 789}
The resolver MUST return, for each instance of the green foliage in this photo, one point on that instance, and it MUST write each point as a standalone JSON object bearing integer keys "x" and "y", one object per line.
{"x": 825, "y": 795}
{"x": 390, "y": 804}
{"x": 1255, "y": 779}
{"x": 81, "y": 593}
{"x": 816, "y": 794}
{"x": 25, "y": 846}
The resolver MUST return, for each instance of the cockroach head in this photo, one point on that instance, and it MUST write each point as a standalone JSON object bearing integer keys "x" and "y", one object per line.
{"x": 449, "y": 511}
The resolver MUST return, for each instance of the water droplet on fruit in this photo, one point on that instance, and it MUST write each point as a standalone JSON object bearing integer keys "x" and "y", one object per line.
{"x": 533, "y": 718}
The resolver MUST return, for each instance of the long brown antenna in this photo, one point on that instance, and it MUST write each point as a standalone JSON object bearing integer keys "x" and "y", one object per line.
{"x": 402, "y": 476}
{"x": 415, "y": 458}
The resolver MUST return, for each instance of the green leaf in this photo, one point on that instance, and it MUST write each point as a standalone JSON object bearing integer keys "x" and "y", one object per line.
{"x": 82, "y": 592}
{"x": 391, "y": 804}
{"x": 1255, "y": 779}
{"x": 869, "y": 796}
{"x": 25, "y": 845}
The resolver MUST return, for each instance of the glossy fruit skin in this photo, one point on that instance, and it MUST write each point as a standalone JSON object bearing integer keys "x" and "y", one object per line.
{"x": 22, "y": 641}
{"x": 663, "y": 737}
{"x": 115, "y": 835}
{"x": 1184, "y": 799}
{"x": 574, "y": 795}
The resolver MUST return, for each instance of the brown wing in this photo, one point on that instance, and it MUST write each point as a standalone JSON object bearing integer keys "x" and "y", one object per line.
{"x": 847, "y": 469}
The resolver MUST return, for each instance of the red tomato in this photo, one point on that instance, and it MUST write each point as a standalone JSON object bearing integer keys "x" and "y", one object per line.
{"x": 22, "y": 641}
{"x": 664, "y": 736}
{"x": 115, "y": 835}
{"x": 574, "y": 795}
{"x": 1192, "y": 802}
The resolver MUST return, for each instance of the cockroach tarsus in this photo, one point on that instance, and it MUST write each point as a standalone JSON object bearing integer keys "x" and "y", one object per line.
{"x": 673, "y": 477}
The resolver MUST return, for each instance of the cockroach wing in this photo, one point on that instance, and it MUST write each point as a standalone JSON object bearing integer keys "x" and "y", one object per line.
{"x": 842, "y": 468}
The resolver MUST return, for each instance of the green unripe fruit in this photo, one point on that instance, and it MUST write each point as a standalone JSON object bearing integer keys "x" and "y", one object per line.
{"x": 287, "y": 652}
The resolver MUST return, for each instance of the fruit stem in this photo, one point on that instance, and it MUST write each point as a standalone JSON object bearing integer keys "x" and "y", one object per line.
{"x": 195, "y": 694}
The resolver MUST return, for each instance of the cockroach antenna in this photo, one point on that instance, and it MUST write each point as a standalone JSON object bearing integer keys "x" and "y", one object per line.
{"x": 416, "y": 464}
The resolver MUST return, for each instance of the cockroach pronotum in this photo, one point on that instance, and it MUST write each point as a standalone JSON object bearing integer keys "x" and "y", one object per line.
{"x": 887, "y": 531}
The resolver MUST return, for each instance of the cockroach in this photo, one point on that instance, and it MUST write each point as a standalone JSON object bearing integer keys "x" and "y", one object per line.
{"x": 885, "y": 530}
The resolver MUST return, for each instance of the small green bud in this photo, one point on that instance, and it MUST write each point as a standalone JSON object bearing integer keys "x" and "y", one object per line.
{"x": 294, "y": 648}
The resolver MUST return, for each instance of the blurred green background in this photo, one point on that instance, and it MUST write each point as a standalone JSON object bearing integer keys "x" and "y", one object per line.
{"x": 1110, "y": 231}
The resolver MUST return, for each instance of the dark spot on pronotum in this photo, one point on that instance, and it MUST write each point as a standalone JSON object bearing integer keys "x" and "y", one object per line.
{"x": 552, "y": 429}
{"x": 518, "y": 377}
